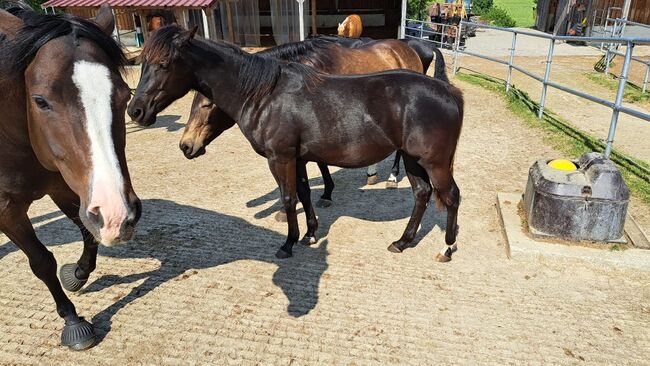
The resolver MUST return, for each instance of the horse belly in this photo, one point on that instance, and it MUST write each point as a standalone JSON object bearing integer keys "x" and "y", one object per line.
{"x": 349, "y": 155}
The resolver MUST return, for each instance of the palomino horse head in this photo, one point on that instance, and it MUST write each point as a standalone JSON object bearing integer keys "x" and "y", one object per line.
{"x": 76, "y": 99}
{"x": 205, "y": 124}
{"x": 164, "y": 77}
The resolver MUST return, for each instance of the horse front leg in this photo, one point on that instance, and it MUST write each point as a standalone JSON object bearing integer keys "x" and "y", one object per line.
{"x": 75, "y": 275}
{"x": 78, "y": 333}
{"x": 284, "y": 172}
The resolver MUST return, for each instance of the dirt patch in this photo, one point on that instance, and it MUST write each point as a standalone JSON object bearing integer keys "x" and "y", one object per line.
{"x": 200, "y": 284}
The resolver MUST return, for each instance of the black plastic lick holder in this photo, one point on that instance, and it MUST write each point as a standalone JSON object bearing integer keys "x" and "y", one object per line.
{"x": 589, "y": 203}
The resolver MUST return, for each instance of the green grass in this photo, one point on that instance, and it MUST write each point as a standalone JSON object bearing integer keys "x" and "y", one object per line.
{"x": 520, "y": 10}
{"x": 563, "y": 136}
{"x": 632, "y": 93}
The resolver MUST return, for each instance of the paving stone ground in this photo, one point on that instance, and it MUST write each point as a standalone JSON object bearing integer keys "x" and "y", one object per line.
{"x": 200, "y": 284}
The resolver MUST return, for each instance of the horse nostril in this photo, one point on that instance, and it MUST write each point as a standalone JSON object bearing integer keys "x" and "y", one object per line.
{"x": 95, "y": 216}
{"x": 136, "y": 112}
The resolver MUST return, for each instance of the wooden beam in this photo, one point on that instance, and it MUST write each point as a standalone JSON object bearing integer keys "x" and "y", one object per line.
{"x": 230, "y": 28}
{"x": 313, "y": 17}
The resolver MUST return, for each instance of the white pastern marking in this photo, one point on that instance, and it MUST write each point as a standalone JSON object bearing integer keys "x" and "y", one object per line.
{"x": 453, "y": 248}
{"x": 95, "y": 91}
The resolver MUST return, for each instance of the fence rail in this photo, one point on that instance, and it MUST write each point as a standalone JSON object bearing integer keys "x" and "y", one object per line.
{"x": 616, "y": 105}
{"x": 618, "y": 27}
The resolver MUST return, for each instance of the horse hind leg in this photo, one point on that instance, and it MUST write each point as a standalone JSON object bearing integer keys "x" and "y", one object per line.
{"x": 372, "y": 175}
{"x": 326, "y": 198}
{"x": 391, "y": 183}
{"x": 448, "y": 193}
{"x": 422, "y": 191}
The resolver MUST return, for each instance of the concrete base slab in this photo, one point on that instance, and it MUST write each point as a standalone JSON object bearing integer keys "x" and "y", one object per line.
{"x": 519, "y": 243}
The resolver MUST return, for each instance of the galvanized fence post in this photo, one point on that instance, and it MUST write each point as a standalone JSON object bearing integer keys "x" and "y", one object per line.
{"x": 547, "y": 74}
{"x": 512, "y": 57}
{"x": 619, "y": 98}
{"x": 456, "y": 48}
{"x": 645, "y": 78}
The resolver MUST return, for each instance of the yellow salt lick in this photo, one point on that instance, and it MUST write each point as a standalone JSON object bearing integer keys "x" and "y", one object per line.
{"x": 562, "y": 164}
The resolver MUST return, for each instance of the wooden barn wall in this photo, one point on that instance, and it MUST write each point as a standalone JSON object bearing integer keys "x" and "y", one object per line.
{"x": 639, "y": 9}
{"x": 123, "y": 18}
{"x": 542, "y": 14}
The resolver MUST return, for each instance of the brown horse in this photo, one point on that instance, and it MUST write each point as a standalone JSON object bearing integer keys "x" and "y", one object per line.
{"x": 207, "y": 122}
{"x": 62, "y": 134}
{"x": 292, "y": 114}
{"x": 351, "y": 27}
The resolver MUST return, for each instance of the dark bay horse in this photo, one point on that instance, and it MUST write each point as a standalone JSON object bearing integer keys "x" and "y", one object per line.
{"x": 62, "y": 134}
{"x": 291, "y": 114}
{"x": 207, "y": 122}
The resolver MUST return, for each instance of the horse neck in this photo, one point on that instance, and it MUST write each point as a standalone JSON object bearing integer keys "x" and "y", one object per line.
{"x": 13, "y": 121}
{"x": 217, "y": 69}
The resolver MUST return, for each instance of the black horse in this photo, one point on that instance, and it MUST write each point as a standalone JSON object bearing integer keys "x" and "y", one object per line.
{"x": 292, "y": 114}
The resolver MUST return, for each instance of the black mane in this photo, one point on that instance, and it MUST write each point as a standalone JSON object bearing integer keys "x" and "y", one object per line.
{"x": 14, "y": 6}
{"x": 38, "y": 29}
{"x": 307, "y": 52}
{"x": 258, "y": 74}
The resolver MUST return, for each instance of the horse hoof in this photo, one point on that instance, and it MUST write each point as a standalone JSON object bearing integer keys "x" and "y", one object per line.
{"x": 394, "y": 248}
{"x": 68, "y": 277}
{"x": 308, "y": 240}
{"x": 281, "y": 216}
{"x": 442, "y": 258}
{"x": 372, "y": 179}
{"x": 282, "y": 254}
{"x": 391, "y": 185}
{"x": 323, "y": 203}
{"x": 79, "y": 335}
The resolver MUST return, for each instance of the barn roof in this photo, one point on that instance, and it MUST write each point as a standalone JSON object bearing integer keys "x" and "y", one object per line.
{"x": 128, "y": 3}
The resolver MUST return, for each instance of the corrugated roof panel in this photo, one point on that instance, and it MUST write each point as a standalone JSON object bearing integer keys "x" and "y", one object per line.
{"x": 128, "y": 3}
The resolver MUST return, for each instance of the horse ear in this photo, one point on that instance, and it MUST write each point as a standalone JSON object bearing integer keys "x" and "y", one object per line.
{"x": 185, "y": 37}
{"x": 193, "y": 32}
{"x": 105, "y": 19}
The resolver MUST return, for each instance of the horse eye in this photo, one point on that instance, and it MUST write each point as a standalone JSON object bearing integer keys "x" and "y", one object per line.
{"x": 41, "y": 102}
{"x": 164, "y": 65}
{"x": 206, "y": 105}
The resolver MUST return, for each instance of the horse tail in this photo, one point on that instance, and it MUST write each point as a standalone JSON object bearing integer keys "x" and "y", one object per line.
{"x": 457, "y": 95}
{"x": 440, "y": 71}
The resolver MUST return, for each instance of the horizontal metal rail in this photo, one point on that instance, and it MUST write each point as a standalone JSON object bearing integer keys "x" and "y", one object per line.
{"x": 616, "y": 106}
{"x": 580, "y": 94}
{"x": 483, "y": 57}
{"x": 628, "y": 22}
{"x": 618, "y": 40}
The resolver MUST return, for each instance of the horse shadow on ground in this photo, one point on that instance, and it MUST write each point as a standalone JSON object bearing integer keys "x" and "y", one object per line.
{"x": 352, "y": 198}
{"x": 168, "y": 122}
{"x": 183, "y": 238}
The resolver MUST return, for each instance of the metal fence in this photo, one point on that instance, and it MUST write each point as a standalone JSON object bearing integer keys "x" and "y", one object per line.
{"x": 444, "y": 35}
{"x": 616, "y": 105}
{"x": 618, "y": 30}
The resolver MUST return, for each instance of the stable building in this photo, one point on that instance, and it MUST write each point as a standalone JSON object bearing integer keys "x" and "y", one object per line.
{"x": 245, "y": 22}
{"x": 582, "y": 17}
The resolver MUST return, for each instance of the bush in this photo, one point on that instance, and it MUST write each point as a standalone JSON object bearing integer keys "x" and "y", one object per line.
{"x": 480, "y": 7}
{"x": 499, "y": 17}
{"x": 417, "y": 9}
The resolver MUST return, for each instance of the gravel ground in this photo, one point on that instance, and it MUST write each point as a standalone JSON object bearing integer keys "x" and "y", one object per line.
{"x": 200, "y": 284}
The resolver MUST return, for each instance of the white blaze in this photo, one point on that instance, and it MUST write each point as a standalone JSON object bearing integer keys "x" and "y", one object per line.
{"x": 107, "y": 184}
